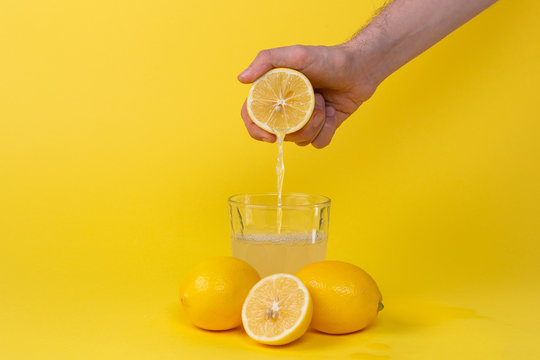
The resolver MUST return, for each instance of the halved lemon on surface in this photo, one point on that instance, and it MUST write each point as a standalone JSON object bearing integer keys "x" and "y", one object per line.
{"x": 281, "y": 101}
{"x": 277, "y": 310}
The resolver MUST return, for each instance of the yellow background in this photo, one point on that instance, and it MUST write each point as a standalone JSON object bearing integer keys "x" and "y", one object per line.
{"x": 120, "y": 141}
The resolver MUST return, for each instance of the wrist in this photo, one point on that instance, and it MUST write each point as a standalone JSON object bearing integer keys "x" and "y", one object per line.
{"x": 371, "y": 51}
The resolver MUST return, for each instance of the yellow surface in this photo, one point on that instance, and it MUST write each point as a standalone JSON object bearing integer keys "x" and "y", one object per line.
{"x": 120, "y": 141}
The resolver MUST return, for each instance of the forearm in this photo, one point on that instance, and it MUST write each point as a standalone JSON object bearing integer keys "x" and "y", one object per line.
{"x": 406, "y": 28}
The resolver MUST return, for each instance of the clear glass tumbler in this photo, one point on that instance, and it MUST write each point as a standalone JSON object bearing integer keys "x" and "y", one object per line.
{"x": 279, "y": 239}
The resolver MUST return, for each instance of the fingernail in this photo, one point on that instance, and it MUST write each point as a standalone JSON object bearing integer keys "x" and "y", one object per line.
{"x": 330, "y": 111}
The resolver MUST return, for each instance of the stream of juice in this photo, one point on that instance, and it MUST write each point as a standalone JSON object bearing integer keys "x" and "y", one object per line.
{"x": 280, "y": 172}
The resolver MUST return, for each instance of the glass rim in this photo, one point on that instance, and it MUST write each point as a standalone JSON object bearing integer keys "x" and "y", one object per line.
{"x": 325, "y": 203}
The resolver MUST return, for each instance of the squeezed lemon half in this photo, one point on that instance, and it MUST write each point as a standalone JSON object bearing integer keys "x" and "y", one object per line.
{"x": 281, "y": 101}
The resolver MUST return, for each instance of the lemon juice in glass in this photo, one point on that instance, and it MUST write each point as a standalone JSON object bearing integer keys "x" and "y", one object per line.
{"x": 279, "y": 238}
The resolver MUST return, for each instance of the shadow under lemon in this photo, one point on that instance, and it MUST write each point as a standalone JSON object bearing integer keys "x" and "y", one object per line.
{"x": 400, "y": 318}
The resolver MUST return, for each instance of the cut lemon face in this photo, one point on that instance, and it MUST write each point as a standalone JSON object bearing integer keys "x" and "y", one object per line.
{"x": 277, "y": 310}
{"x": 281, "y": 101}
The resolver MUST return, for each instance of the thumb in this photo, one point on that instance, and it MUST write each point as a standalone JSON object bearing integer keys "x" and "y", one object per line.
{"x": 294, "y": 57}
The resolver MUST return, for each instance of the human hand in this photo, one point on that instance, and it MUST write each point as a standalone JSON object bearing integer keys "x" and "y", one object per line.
{"x": 340, "y": 79}
{"x": 346, "y": 75}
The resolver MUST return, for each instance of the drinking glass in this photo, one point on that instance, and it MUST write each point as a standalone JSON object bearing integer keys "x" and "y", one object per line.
{"x": 279, "y": 239}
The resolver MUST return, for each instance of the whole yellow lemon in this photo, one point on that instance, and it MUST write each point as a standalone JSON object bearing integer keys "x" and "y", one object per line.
{"x": 345, "y": 297}
{"x": 213, "y": 292}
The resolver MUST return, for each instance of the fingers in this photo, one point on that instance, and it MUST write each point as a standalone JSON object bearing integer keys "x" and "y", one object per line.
{"x": 318, "y": 131}
{"x": 254, "y": 131}
{"x": 310, "y": 131}
{"x": 329, "y": 129}
{"x": 295, "y": 57}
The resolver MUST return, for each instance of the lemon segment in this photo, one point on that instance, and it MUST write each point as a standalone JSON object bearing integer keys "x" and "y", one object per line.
{"x": 277, "y": 310}
{"x": 281, "y": 101}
